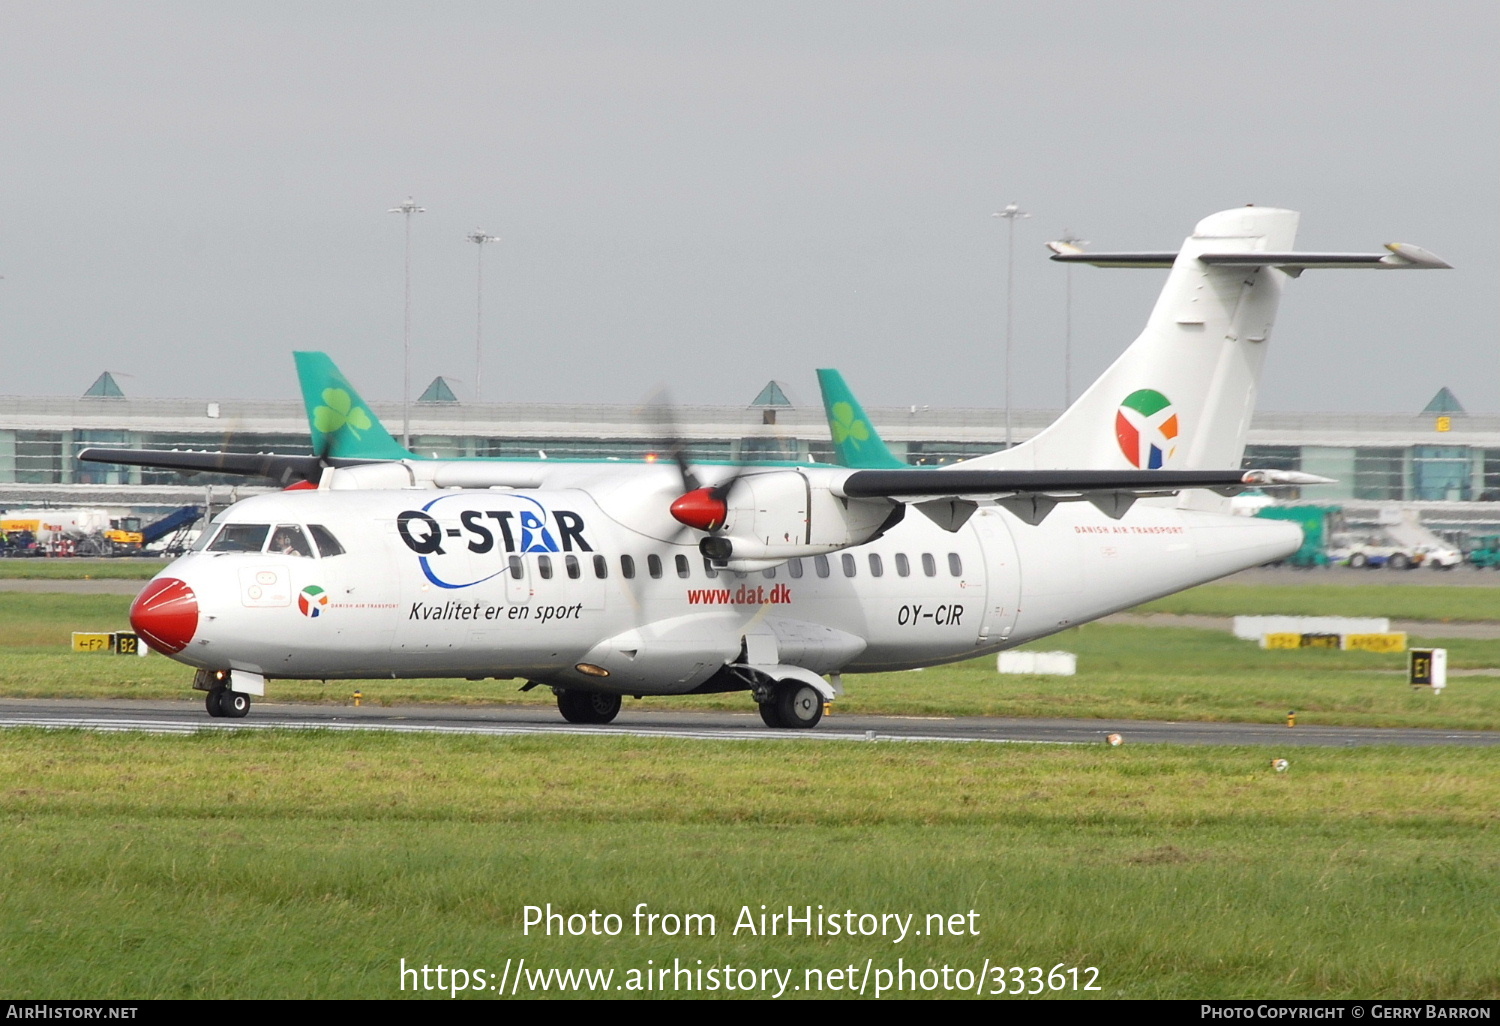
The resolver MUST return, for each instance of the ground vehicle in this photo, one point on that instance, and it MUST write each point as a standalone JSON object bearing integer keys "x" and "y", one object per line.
{"x": 1486, "y": 552}
{"x": 1319, "y": 525}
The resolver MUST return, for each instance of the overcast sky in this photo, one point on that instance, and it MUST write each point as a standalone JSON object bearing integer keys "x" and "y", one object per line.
{"x": 709, "y": 195}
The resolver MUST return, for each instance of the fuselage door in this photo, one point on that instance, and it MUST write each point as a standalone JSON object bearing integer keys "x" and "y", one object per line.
{"x": 1002, "y": 576}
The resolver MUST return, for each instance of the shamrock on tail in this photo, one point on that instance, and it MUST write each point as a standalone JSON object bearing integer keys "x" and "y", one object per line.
{"x": 340, "y": 412}
{"x": 846, "y": 428}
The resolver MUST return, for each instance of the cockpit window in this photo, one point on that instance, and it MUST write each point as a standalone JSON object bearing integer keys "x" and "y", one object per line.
{"x": 328, "y": 545}
{"x": 240, "y": 538}
{"x": 288, "y": 540}
{"x": 205, "y": 536}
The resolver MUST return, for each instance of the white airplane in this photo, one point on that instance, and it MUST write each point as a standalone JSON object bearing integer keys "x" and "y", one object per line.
{"x": 601, "y": 580}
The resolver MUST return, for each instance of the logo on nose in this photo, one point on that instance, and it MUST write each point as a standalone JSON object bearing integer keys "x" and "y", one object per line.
{"x": 313, "y": 601}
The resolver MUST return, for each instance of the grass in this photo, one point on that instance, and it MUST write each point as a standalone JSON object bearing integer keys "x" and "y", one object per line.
{"x": 281, "y": 864}
{"x": 1124, "y": 673}
{"x": 1399, "y": 602}
{"x": 129, "y": 569}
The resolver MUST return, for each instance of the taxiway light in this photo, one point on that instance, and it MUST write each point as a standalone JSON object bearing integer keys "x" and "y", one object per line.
{"x": 1115, "y": 740}
{"x": 1279, "y": 765}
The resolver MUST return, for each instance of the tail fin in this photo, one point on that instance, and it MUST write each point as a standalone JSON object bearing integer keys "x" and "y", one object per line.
{"x": 855, "y": 441}
{"x": 342, "y": 424}
{"x": 1181, "y": 396}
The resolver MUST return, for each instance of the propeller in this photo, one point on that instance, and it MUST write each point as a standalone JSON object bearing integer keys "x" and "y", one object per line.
{"x": 701, "y": 507}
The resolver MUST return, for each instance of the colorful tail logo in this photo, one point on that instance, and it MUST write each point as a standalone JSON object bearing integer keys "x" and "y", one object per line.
{"x": 1146, "y": 428}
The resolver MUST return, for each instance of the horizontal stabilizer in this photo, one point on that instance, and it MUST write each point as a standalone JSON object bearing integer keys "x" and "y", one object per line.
{"x": 1398, "y": 256}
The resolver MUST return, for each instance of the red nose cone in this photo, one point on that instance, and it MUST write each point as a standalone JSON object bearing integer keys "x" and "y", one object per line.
{"x": 165, "y": 614}
{"x": 698, "y": 508}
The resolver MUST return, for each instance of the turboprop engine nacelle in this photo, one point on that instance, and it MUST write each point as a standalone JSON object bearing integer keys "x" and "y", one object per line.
{"x": 759, "y": 520}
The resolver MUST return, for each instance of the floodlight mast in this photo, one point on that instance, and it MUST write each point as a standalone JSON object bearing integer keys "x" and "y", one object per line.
{"x": 479, "y": 238}
{"x": 408, "y": 209}
{"x": 1010, "y": 213}
{"x": 1068, "y": 239}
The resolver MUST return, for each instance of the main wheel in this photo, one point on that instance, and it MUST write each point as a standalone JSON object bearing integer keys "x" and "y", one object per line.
{"x": 587, "y": 706}
{"x": 798, "y": 705}
{"x": 211, "y": 702}
{"x": 234, "y": 704}
{"x": 768, "y": 714}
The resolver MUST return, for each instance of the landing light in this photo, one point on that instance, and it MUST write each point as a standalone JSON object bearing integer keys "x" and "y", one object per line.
{"x": 590, "y": 670}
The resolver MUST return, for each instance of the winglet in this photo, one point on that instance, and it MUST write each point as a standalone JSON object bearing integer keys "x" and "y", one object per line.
{"x": 341, "y": 422}
{"x": 856, "y": 443}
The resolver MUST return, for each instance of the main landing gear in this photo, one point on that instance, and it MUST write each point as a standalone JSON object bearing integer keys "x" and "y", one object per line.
{"x": 225, "y": 703}
{"x": 792, "y": 703}
{"x": 587, "y": 706}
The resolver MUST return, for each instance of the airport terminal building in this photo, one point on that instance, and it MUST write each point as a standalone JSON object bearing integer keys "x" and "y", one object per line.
{"x": 1442, "y": 460}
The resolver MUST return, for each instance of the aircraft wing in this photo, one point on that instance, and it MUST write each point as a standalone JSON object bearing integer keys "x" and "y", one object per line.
{"x": 917, "y": 485}
{"x": 283, "y": 469}
{"x": 949, "y": 497}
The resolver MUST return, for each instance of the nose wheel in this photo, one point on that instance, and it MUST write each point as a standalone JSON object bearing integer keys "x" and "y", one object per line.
{"x": 221, "y": 702}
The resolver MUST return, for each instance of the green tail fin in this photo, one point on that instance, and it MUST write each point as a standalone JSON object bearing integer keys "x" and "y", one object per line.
{"x": 855, "y": 441}
{"x": 342, "y": 423}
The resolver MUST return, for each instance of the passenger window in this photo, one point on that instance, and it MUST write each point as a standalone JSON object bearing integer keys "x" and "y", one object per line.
{"x": 653, "y": 567}
{"x": 709, "y": 570}
{"x": 794, "y": 567}
{"x": 327, "y": 544}
{"x": 601, "y": 567}
{"x": 544, "y": 567}
{"x": 241, "y": 538}
{"x": 849, "y": 567}
{"x": 574, "y": 570}
{"x": 955, "y": 565}
{"x": 876, "y": 566}
{"x": 627, "y": 567}
{"x": 929, "y": 565}
{"x": 820, "y": 565}
{"x": 903, "y": 565}
{"x": 517, "y": 568}
{"x": 682, "y": 566}
{"x": 288, "y": 540}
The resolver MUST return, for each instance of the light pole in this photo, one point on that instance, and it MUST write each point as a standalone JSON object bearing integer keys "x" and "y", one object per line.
{"x": 1068, "y": 239}
{"x": 408, "y": 208}
{"x": 1010, "y": 213}
{"x": 478, "y": 237}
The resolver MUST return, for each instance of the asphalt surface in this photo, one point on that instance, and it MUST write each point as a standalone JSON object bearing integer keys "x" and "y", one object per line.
{"x": 187, "y": 717}
{"x": 96, "y": 587}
